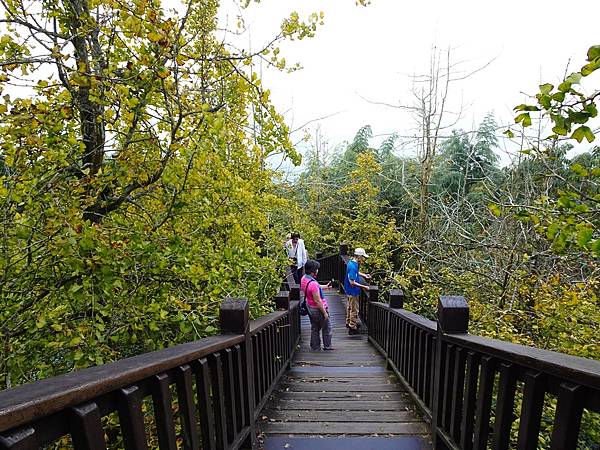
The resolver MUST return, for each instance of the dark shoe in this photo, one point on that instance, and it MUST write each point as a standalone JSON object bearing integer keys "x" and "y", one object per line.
{"x": 328, "y": 348}
{"x": 353, "y": 331}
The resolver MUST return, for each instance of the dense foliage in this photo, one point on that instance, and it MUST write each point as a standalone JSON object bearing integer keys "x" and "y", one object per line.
{"x": 135, "y": 193}
{"x": 521, "y": 241}
{"x": 133, "y": 185}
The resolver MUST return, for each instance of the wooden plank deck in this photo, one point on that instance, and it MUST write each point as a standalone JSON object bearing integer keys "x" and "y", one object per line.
{"x": 343, "y": 398}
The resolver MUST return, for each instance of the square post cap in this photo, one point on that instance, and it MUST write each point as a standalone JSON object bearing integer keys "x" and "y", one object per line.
{"x": 234, "y": 316}
{"x": 373, "y": 293}
{"x": 318, "y": 255}
{"x": 294, "y": 292}
{"x": 282, "y": 300}
{"x": 396, "y": 298}
{"x": 343, "y": 248}
{"x": 453, "y": 314}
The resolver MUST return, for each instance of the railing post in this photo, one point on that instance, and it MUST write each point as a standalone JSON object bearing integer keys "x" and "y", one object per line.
{"x": 342, "y": 272}
{"x": 318, "y": 255}
{"x": 396, "y": 298}
{"x": 453, "y": 318}
{"x": 282, "y": 300}
{"x": 234, "y": 318}
{"x": 371, "y": 296}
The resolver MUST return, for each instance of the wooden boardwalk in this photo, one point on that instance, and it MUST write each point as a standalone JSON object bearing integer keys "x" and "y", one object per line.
{"x": 342, "y": 399}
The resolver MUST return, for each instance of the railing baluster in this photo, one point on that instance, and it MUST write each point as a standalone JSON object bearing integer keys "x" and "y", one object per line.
{"x": 428, "y": 369}
{"x": 447, "y": 386}
{"x": 404, "y": 350}
{"x": 203, "y": 389}
{"x": 420, "y": 362}
{"x": 263, "y": 357}
{"x": 163, "y": 412}
{"x": 187, "y": 409}
{"x": 20, "y": 439}
{"x": 218, "y": 393}
{"x": 86, "y": 427}
{"x": 238, "y": 383}
{"x": 413, "y": 357}
{"x": 458, "y": 386}
{"x": 396, "y": 337}
{"x": 431, "y": 380}
{"x": 484, "y": 403}
{"x": 504, "y": 408}
{"x": 568, "y": 417}
{"x": 131, "y": 418}
{"x": 257, "y": 370}
{"x": 468, "y": 412}
{"x": 531, "y": 411}
{"x": 230, "y": 403}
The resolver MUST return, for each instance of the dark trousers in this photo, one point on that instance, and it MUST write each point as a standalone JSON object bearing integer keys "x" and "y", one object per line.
{"x": 318, "y": 326}
{"x": 297, "y": 272}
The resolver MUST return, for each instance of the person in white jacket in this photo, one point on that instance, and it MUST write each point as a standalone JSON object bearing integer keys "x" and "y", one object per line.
{"x": 297, "y": 255}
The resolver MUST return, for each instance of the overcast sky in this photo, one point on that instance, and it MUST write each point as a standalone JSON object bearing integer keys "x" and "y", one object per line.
{"x": 370, "y": 53}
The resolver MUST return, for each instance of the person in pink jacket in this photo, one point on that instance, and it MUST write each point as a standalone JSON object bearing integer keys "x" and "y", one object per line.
{"x": 318, "y": 311}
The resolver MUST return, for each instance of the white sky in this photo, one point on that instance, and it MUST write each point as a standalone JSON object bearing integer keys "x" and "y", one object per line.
{"x": 371, "y": 52}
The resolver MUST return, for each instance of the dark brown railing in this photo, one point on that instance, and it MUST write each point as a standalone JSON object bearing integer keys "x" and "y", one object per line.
{"x": 467, "y": 385}
{"x": 470, "y": 388}
{"x": 216, "y": 385}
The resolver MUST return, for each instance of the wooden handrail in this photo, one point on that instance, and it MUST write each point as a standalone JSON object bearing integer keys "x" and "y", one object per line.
{"x": 233, "y": 373}
{"x": 29, "y": 402}
{"x": 453, "y": 377}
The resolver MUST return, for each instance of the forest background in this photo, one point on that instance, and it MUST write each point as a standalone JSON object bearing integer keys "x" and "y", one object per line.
{"x": 135, "y": 191}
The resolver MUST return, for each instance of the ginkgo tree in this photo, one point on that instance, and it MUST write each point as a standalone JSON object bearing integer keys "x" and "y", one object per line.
{"x": 571, "y": 217}
{"x": 133, "y": 183}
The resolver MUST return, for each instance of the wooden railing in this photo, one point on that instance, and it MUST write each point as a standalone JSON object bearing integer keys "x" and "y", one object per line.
{"x": 474, "y": 389}
{"x": 216, "y": 385}
{"x": 468, "y": 386}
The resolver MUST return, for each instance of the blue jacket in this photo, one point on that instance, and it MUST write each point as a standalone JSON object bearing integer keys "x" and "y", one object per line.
{"x": 352, "y": 274}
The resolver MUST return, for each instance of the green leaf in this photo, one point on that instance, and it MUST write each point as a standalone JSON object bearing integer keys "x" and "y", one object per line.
{"x": 552, "y": 230}
{"x": 495, "y": 209}
{"x": 564, "y": 86}
{"x": 584, "y": 236}
{"x": 579, "y": 170}
{"x": 593, "y": 52}
{"x": 583, "y": 132}
{"x": 524, "y": 118}
{"x": 509, "y": 133}
{"x": 559, "y": 130}
{"x": 574, "y": 78}
{"x": 596, "y": 247}
{"x": 591, "y": 109}
{"x": 546, "y": 88}
{"x": 590, "y": 68}
{"x": 524, "y": 107}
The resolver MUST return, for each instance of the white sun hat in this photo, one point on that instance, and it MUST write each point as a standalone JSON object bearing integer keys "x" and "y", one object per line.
{"x": 360, "y": 252}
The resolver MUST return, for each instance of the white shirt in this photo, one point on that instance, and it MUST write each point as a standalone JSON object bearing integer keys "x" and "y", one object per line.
{"x": 299, "y": 252}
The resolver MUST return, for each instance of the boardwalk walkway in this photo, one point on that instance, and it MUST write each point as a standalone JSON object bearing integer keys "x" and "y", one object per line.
{"x": 343, "y": 399}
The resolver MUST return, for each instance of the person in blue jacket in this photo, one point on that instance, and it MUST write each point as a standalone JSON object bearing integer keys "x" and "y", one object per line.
{"x": 352, "y": 286}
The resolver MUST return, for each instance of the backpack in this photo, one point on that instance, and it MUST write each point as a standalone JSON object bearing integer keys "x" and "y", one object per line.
{"x": 303, "y": 308}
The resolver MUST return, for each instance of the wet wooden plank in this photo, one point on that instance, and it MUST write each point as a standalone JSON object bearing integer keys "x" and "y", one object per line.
{"x": 333, "y": 405}
{"x": 333, "y": 386}
{"x": 410, "y": 428}
{"x": 339, "y": 416}
{"x": 348, "y": 395}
